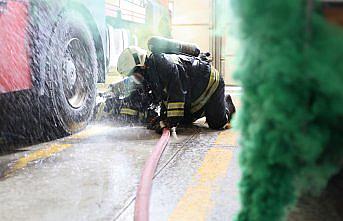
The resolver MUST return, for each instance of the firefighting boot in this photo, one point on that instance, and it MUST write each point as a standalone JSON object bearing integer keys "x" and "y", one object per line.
{"x": 230, "y": 106}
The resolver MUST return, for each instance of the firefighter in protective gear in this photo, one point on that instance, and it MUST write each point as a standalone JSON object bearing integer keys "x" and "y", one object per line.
{"x": 186, "y": 87}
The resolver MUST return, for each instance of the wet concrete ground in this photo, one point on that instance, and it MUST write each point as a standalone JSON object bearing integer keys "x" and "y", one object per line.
{"x": 93, "y": 175}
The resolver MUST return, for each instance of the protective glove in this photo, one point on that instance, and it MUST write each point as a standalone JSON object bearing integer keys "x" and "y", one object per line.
{"x": 153, "y": 122}
{"x": 162, "y": 124}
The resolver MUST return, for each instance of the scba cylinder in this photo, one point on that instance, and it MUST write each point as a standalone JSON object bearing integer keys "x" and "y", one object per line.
{"x": 170, "y": 46}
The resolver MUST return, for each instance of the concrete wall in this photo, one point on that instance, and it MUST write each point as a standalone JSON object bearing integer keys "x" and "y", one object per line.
{"x": 227, "y": 28}
{"x": 191, "y": 22}
{"x": 211, "y": 25}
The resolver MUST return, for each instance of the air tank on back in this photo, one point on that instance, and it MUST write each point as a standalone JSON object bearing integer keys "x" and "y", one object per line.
{"x": 169, "y": 46}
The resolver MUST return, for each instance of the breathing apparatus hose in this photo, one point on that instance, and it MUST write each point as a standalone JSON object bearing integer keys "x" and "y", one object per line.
{"x": 144, "y": 189}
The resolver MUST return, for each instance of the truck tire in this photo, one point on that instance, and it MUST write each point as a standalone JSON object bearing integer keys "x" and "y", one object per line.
{"x": 71, "y": 71}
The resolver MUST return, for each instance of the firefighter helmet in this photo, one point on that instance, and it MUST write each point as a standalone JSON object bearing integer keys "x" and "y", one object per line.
{"x": 131, "y": 58}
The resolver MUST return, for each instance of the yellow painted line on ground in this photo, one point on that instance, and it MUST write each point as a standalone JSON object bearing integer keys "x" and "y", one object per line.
{"x": 36, "y": 155}
{"x": 227, "y": 137}
{"x": 197, "y": 201}
{"x": 90, "y": 132}
{"x": 51, "y": 150}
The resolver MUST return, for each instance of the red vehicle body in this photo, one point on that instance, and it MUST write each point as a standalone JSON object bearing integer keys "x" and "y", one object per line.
{"x": 14, "y": 63}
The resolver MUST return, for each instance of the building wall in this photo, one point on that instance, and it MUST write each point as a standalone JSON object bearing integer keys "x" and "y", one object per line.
{"x": 191, "y": 22}
{"x": 227, "y": 29}
{"x": 211, "y": 25}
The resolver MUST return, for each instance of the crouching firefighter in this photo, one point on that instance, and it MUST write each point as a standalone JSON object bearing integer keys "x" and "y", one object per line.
{"x": 186, "y": 87}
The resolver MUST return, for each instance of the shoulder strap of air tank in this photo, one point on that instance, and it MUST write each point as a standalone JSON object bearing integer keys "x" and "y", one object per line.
{"x": 154, "y": 78}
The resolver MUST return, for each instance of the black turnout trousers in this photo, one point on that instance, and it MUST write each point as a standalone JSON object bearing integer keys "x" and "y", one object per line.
{"x": 216, "y": 110}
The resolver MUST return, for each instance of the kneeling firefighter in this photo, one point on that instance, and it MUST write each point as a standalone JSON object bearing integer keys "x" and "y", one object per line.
{"x": 186, "y": 87}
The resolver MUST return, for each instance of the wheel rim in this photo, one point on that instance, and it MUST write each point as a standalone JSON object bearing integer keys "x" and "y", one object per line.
{"x": 75, "y": 67}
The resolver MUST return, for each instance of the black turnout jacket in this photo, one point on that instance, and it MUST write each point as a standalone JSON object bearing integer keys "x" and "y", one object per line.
{"x": 182, "y": 84}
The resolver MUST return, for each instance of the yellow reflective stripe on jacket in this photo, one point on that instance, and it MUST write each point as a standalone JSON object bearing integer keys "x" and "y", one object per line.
{"x": 143, "y": 115}
{"x": 210, "y": 89}
{"x": 175, "y": 113}
{"x": 129, "y": 111}
{"x": 176, "y": 105}
{"x": 101, "y": 111}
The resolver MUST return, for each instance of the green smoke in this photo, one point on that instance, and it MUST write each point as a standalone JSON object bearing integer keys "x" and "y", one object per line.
{"x": 292, "y": 110}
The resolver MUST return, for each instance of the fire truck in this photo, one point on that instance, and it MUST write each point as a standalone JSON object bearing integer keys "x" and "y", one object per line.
{"x": 53, "y": 54}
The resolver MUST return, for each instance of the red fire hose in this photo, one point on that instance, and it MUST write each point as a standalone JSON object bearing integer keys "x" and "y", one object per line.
{"x": 144, "y": 188}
